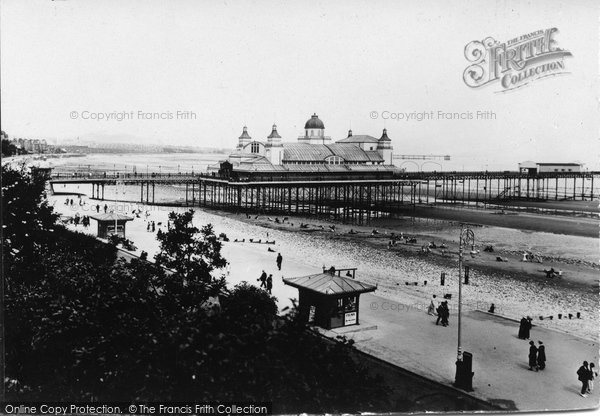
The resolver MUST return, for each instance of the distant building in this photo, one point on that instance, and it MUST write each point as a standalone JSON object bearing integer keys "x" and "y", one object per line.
{"x": 314, "y": 152}
{"x": 533, "y": 168}
{"x": 31, "y": 145}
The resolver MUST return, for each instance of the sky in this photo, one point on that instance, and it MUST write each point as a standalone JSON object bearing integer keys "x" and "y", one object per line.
{"x": 357, "y": 64}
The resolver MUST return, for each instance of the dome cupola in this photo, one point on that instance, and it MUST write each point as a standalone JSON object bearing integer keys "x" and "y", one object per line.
{"x": 314, "y": 123}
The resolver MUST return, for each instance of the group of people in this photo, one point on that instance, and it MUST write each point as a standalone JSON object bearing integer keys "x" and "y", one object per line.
{"x": 84, "y": 220}
{"x": 537, "y": 356}
{"x": 70, "y": 201}
{"x": 525, "y": 328}
{"x": 442, "y": 310}
{"x": 266, "y": 282}
{"x": 553, "y": 273}
{"x": 105, "y": 208}
{"x": 586, "y": 374}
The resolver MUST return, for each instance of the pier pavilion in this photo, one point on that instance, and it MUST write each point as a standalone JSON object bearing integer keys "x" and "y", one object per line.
{"x": 313, "y": 153}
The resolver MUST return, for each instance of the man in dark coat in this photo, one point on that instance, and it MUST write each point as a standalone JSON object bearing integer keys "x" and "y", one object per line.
{"x": 541, "y": 357}
{"x": 263, "y": 279}
{"x": 583, "y": 375}
{"x": 279, "y": 260}
{"x": 269, "y": 283}
{"x": 445, "y": 313}
{"x": 532, "y": 356}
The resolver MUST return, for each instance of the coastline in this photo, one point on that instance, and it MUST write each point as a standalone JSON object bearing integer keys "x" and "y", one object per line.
{"x": 549, "y": 223}
{"x": 579, "y": 272}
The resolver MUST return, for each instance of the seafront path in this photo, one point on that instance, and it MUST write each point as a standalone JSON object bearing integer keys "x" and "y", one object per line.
{"x": 407, "y": 337}
{"x": 404, "y": 335}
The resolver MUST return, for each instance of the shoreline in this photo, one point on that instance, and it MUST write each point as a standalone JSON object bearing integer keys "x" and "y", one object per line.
{"x": 549, "y": 223}
{"x": 579, "y": 276}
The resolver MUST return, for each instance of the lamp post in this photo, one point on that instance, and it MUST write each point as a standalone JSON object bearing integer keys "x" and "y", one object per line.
{"x": 117, "y": 184}
{"x": 463, "y": 375}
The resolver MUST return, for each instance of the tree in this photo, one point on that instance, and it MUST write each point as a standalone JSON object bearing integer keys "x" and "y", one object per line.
{"x": 8, "y": 149}
{"x": 27, "y": 219}
{"x": 193, "y": 255}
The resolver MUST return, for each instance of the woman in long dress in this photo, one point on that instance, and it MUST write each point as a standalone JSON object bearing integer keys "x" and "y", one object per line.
{"x": 522, "y": 328}
{"x": 532, "y": 356}
{"x": 541, "y": 356}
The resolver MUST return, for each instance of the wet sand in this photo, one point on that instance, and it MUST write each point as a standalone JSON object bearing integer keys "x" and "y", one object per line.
{"x": 576, "y": 273}
{"x": 557, "y": 224}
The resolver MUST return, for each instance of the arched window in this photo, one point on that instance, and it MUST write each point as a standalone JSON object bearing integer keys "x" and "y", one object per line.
{"x": 334, "y": 160}
{"x": 254, "y": 148}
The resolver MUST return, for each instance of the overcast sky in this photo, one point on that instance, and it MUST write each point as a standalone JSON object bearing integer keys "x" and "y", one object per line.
{"x": 266, "y": 62}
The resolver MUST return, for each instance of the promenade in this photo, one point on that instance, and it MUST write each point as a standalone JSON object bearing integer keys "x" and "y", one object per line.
{"x": 407, "y": 337}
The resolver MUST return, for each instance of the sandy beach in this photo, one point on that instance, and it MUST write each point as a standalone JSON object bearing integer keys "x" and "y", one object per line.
{"x": 516, "y": 288}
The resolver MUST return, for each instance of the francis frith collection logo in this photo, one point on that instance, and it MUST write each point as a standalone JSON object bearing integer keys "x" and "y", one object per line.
{"x": 516, "y": 62}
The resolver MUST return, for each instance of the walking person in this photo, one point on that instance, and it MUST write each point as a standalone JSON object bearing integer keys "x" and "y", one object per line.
{"x": 153, "y": 226}
{"x": 263, "y": 279}
{"x": 269, "y": 283}
{"x": 105, "y": 208}
{"x": 583, "y": 375}
{"x": 527, "y": 328}
{"x": 593, "y": 375}
{"x": 522, "y": 326}
{"x": 445, "y": 313}
{"x": 541, "y": 356}
{"x": 97, "y": 208}
{"x": 532, "y": 356}
{"x": 279, "y": 260}
{"x": 440, "y": 312}
{"x": 431, "y": 310}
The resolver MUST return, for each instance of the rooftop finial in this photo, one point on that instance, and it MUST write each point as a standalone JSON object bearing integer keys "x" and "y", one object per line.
{"x": 384, "y": 136}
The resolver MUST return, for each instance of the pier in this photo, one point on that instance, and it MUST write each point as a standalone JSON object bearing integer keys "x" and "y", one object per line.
{"x": 348, "y": 199}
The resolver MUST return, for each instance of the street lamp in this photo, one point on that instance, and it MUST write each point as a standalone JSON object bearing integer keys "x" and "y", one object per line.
{"x": 117, "y": 184}
{"x": 463, "y": 369}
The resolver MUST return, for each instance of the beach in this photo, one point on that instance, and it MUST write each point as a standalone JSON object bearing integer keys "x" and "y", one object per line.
{"x": 516, "y": 288}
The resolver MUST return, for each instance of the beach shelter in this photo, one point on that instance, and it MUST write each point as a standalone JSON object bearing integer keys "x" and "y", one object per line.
{"x": 327, "y": 300}
{"x": 106, "y": 223}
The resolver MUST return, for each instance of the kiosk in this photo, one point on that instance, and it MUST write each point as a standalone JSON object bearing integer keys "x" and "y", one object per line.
{"x": 106, "y": 224}
{"x": 329, "y": 300}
